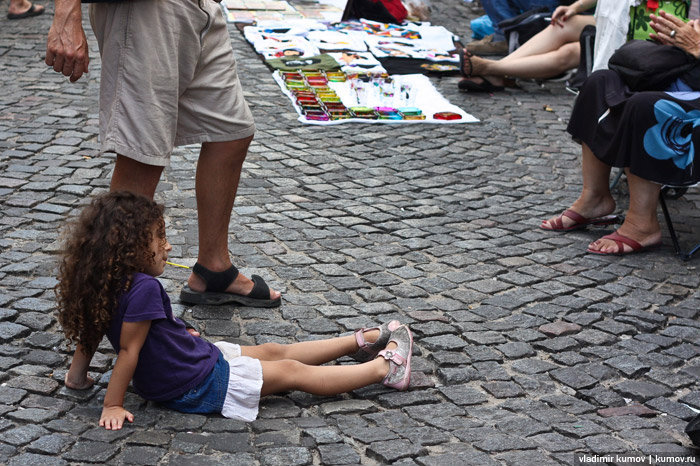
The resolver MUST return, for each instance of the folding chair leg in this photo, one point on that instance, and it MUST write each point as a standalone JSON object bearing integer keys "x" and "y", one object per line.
{"x": 616, "y": 180}
{"x": 674, "y": 238}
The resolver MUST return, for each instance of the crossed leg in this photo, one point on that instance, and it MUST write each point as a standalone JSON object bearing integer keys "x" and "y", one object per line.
{"x": 550, "y": 52}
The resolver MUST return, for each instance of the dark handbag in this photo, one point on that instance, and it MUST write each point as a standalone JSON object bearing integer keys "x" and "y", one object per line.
{"x": 649, "y": 66}
{"x": 519, "y": 29}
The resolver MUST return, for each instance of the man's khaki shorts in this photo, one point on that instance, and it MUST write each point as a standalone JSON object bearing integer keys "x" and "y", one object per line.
{"x": 168, "y": 78}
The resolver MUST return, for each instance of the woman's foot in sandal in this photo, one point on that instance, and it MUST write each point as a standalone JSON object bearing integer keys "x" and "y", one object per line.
{"x": 372, "y": 340}
{"x": 465, "y": 62}
{"x": 629, "y": 238}
{"x": 398, "y": 355}
{"x": 473, "y": 66}
{"x": 588, "y": 210}
{"x": 476, "y": 74}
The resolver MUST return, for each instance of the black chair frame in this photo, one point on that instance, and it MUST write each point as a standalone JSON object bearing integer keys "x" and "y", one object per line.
{"x": 670, "y": 193}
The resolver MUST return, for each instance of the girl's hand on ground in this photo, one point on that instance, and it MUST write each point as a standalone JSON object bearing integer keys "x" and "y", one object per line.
{"x": 113, "y": 417}
{"x": 78, "y": 383}
{"x": 193, "y": 332}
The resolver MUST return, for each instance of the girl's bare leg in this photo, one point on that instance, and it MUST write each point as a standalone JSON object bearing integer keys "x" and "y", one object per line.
{"x": 313, "y": 352}
{"x": 595, "y": 199}
{"x": 641, "y": 223}
{"x": 280, "y": 376}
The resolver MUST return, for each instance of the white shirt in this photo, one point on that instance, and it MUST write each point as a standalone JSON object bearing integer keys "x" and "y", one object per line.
{"x": 612, "y": 18}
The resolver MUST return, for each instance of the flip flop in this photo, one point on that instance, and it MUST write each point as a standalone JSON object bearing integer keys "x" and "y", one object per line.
{"x": 32, "y": 11}
{"x": 471, "y": 86}
{"x": 621, "y": 241}
{"x": 464, "y": 59}
{"x": 580, "y": 222}
{"x": 215, "y": 292}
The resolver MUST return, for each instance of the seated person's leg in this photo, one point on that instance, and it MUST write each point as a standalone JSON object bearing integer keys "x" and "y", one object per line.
{"x": 549, "y": 53}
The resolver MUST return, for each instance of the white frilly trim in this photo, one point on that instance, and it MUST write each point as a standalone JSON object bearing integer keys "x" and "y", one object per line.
{"x": 244, "y": 384}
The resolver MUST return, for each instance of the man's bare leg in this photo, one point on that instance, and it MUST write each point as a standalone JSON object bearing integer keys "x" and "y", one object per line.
{"x": 218, "y": 172}
{"x": 136, "y": 177}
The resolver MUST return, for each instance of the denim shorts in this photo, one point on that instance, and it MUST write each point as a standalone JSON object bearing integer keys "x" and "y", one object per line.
{"x": 207, "y": 397}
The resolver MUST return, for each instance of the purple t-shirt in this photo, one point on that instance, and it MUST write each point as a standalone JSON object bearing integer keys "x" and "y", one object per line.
{"x": 172, "y": 361}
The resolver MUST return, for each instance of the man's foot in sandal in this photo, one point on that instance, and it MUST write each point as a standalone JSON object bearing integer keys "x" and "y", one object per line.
{"x": 398, "y": 354}
{"x": 228, "y": 287}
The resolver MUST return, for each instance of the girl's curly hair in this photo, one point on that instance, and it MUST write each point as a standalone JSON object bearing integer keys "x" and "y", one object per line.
{"x": 105, "y": 246}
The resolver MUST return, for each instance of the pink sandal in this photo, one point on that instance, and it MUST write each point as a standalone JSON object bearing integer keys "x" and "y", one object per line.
{"x": 368, "y": 351}
{"x": 399, "y": 375}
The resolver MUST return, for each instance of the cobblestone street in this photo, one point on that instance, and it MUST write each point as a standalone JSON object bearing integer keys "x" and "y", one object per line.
{"x": 528, "y": 349}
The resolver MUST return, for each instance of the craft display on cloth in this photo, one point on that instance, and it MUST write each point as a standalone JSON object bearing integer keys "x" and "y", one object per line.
{"x": 357, "y": 62}
{"x": 323, "y": 62}
{"x": 412, "y": 40}
{"x": 331, "y": 98}
{"x": 250, "y": 11}
{"x": 338, "y": 40}
{"x": 331, "y": 78}
{"x": 279, "y": 40}
{"x": 397, "y": 49}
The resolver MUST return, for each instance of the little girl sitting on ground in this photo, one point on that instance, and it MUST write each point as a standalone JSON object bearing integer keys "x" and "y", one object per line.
{"x": 107, "y": 287}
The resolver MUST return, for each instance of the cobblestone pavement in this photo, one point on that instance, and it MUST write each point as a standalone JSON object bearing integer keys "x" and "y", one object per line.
{"x": 528, "y": 349}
